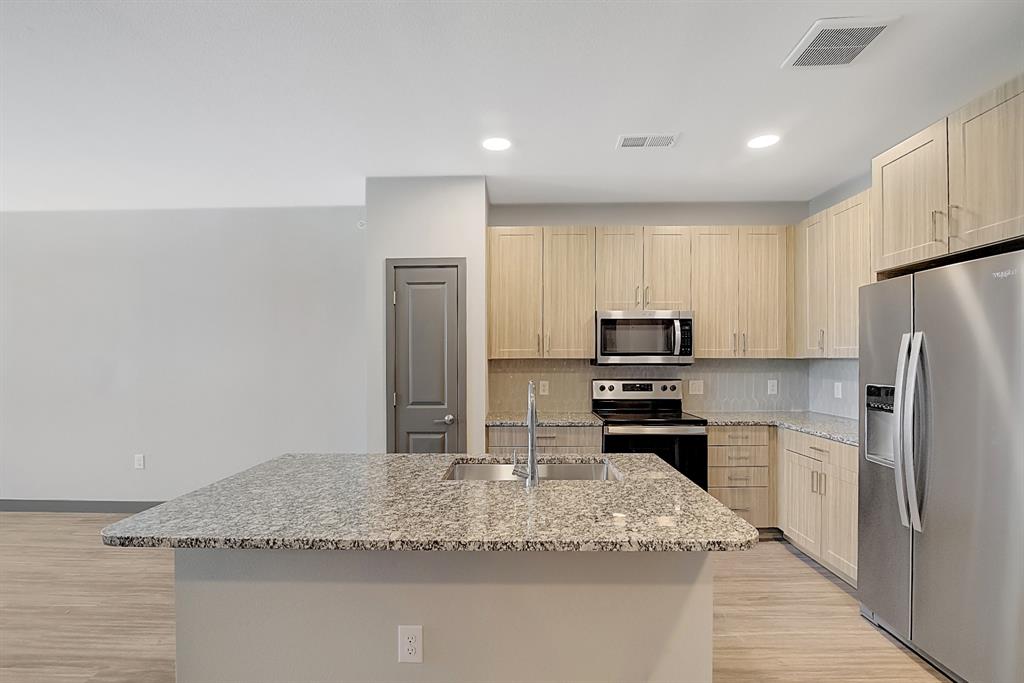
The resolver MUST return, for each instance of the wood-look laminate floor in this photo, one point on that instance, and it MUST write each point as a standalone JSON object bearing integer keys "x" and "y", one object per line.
{"x": 74, "y": 610}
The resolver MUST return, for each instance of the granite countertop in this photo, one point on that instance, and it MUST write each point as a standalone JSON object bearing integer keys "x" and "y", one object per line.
{"x": 544, "y": 419}
{"x": 841, "y": 429}
{"x": 401, "y": 502}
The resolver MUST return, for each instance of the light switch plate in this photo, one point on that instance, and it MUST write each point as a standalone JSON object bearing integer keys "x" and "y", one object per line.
{"x": 773, "y": 387}
{"x": 544, "y": 387}
{"x": 140, "y": 461}
{"x": 837, "y": 389}
{"x": 696, "y": 386}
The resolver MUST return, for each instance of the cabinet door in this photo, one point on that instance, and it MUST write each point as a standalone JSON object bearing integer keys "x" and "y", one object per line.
{"x": 569, "y": 292}
{"x": 515, "y": 284}
{"x": 849, "y": 267}
{"x": 715, "y": 290}
{"x": 620, "y": 268}
{"x": 803, "y": 503}
{"x": 666, "y": 268}
{"x": 838, "y": 488}
{"x": 811, "y": 275}
{"x": 986, "y": 168}
{"x": 762, "y": 293}
{"x": 910, "y": 199}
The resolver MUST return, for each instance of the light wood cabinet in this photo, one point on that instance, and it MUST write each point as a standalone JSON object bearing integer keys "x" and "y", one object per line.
{"x": 569, "y": 292}
{"x": 818, "y": 500}
{"x": 986, "y": 168}
{"x": 666, "y": 268}
{"x": 763, "y": 265}
{"x": 849, "y": 267}
{"x": 715, "y": 288}
{"x": 620, "y": 268}
{"x": 515, "y": 292}
{"x": 910, "y": 200}
{"x": 740, "y": 471}
{"x": 549, "y": 439}
{"x": 810, "y": 290}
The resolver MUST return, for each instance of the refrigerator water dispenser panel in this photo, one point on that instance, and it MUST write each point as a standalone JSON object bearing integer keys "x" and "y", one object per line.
{"x": 880, "y": 424}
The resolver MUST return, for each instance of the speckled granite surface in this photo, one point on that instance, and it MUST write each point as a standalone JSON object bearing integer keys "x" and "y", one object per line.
{"x": 401, "y": 502}
{"x": 841, "y": 429}
{"x": 544, "y": 419}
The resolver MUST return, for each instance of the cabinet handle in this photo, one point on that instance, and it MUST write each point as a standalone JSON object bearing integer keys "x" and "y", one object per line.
{"x": 538, "y": 343}
{"x": 746, "y": 509}
{"x": 744, "y": 342}
{"x": 821, "y": 339}
{"x": 647, "y": 295}
{"x": 935, "y": 227}
{"x": 953, "y": 234}
{"x": 731, "y": 478}
{"x": 742, "y": 437}
{"x": 737, "y": 457}
{"x": 821, "y": 483}
{"x": 734, "y": 342}
{"x": 548, "y": 342}
{"x": 820, "y": 450}
{"x": 814, "y": 481}
{"x": 546, "y": 436}
{"x": 638, "y": 296}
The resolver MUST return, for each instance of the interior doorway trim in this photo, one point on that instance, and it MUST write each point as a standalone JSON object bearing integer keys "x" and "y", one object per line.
{"x": 390, "y": 266}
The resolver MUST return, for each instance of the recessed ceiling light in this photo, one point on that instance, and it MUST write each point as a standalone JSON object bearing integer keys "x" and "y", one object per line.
{"x": 762, "y": 141}
{"x": 496, "y": 144}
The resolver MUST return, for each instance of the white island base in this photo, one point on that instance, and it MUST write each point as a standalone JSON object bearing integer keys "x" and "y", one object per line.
{"x": 304, "y": 615}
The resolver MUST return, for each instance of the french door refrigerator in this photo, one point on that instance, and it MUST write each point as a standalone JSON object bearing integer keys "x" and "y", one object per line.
{"x": 941, "y": 509}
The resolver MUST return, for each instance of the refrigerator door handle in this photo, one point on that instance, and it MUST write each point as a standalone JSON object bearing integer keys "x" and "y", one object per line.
{"x": 908, "y": 430}
{"x": 897, "y": 434}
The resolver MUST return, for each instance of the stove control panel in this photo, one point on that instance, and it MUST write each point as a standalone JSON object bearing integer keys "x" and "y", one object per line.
{"x": 632, "y": 389}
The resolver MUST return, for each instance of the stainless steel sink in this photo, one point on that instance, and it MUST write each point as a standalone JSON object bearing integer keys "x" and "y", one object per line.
{"x": 596, "y": 471}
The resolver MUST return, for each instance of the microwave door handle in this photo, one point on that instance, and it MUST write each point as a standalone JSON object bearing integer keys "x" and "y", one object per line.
{"x": 908, "y": 431}
{"x": 677, "y": 349}
{"x": 897, "y": 434}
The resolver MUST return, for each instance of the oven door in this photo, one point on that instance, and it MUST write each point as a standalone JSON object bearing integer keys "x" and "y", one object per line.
{"x": 644, "y": 338}
{"x": 685, "y": 447}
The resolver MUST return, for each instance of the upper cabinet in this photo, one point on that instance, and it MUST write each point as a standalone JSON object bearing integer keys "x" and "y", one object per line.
{"x": 541, "y": 292}
{"x": 515, "y": 268}
{"x": 849, "y": 267}
{"x": 956, "y": 185}
{"x": 643, "y": 268}
{"x": 986, "y": 168}
{"x": 739, "y": 291}
{"x": 810, "y": 278}
{"x": 910, "y": 200}
{"x": 569, "y": 292}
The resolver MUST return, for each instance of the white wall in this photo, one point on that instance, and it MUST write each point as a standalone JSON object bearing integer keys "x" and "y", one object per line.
{"x": 842, "y": 191}
{"x": 421, "y": 218}
{"x": 681, "y": 213}
{"x": 210, "y": 340}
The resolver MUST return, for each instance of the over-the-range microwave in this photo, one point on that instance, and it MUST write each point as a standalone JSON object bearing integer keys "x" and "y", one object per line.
{"x": 644, "y": 338}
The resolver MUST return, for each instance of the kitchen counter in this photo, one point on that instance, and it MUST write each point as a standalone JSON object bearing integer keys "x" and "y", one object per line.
{"x": 544, "y": 419}
{"x": 402, "y": 502}
{"x": 841, "y": 429}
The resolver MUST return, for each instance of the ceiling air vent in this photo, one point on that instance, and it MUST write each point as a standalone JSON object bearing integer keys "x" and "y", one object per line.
{"x": 836, "y": 42}
{"x": 639, "y": 141}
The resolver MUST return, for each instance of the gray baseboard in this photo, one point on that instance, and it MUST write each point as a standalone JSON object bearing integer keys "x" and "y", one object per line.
{"x": 35, "y": 505}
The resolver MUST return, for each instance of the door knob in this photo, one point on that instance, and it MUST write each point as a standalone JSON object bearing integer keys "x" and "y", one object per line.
{"x": 447, "y": 419}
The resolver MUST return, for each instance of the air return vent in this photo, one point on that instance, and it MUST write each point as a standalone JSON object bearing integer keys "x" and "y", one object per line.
{"x": 836, "y": 42}
{"x": 640, "y": 141}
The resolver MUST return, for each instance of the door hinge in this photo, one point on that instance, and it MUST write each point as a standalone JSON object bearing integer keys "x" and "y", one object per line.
{"x": 394, "y": 297}
{"x": 394, "y": 400}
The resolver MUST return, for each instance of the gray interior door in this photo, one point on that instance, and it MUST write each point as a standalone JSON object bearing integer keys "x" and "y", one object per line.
{"x": 884, "y": 543}
{"x": 968, "y": 599}
{"x": 428, "y": 391}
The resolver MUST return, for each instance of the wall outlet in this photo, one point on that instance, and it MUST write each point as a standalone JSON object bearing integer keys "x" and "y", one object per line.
{"x": 140, "y": 461}
{"x": 773, "y": 387}
{"x": 837, "y": 389}
{"x": 543, "y": 387}
{"x": 410, "y": 644}
{"x": 696, "y": 386}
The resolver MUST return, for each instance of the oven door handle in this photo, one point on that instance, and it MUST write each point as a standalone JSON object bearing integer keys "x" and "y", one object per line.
{"x": 679, "y": 337}
{"x": 666, "y": 430}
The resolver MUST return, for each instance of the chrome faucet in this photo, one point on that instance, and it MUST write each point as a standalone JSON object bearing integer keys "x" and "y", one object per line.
{"x": 531, "y": 473}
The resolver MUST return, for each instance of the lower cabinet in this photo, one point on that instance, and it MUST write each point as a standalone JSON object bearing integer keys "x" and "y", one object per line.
{"x": 818, "y": 500}
{"x": 739, "y": 471}
{"x": 550, "y": 440}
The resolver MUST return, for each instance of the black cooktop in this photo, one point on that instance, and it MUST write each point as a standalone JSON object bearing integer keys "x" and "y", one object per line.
{"x": 657, "y": 417}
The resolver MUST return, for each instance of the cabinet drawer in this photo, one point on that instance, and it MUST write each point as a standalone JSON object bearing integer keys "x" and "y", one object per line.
{"x": 823, "y": 450}
{"x": 547, "y": 437}
{"x": 544, "y": 450}
{"x": 750, "y": 503}
{"x": 737, "y": 476}
{"x": 738, "y": 436}
{"x": 737, "y": 456}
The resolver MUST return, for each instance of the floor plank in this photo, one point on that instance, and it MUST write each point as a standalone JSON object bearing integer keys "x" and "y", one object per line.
{"x": 73, "y": 610}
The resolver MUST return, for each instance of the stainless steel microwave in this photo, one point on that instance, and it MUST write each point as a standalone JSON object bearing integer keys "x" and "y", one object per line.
{"x": 644, "y": 338}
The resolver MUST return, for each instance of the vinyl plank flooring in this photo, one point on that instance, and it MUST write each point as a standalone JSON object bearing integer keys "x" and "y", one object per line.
{"x": 75, "y": 611}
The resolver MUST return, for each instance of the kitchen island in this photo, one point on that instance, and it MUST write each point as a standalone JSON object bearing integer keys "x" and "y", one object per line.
{"x": 604, "y": 580}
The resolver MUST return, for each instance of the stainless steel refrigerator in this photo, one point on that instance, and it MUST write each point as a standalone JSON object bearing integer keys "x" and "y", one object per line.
{"x": 941, "y": 514}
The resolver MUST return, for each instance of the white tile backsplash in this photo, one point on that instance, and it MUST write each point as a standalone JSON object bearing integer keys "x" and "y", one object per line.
{"x": 822, "y": 375}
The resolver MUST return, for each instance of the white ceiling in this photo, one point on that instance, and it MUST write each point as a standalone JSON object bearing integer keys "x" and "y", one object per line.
{"x": 174, "y": 104}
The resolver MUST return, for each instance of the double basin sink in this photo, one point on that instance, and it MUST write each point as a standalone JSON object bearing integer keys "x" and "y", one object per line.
{"x": 575, "y": 471}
